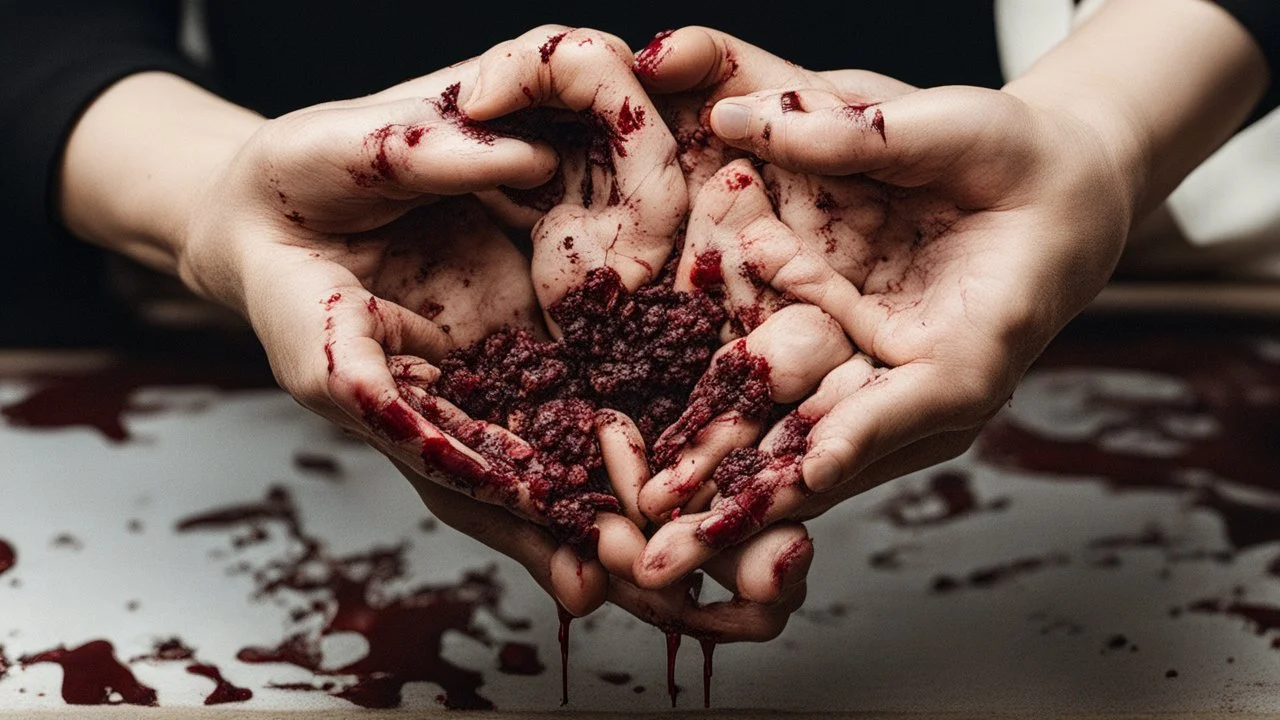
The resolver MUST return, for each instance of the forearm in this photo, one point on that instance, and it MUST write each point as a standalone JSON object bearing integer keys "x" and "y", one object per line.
{"x": 1165, "y": 82}
{"x": 138, "y": 159}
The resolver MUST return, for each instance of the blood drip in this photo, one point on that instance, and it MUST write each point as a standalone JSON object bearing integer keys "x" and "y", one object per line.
{"x": 708, "y": 650}
{"x": 223, "y": 692}
{"x": 673, "y": 647}
{"x": 349, "y": 594}
{"x": 563, "y": 635}
{"x": 91, "y": 675}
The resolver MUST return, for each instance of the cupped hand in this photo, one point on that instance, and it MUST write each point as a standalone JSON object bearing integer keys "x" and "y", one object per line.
{"x": 951, "y": 232}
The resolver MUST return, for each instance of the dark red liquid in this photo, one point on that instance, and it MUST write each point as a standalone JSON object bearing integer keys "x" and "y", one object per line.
{"x": 649, "y": 58}
{"x": 673, "y": 647}
{"x": 874, "y": 123}
{"x": 748, "y": 479}
{"x": 563, "y": 635}
{"x": 790, "y": 102}
{"x": 91, "y": 675}
{"x": 100, "y": 399}
{"x": 167, "y": 650}
{"x": 630, "y": 120}
{"x": 549, "y": 47}
{"x": 519, "y": 659}
{"x": 348, "y": 594}
{"x": 8, "y": 556}
{"x": 948, "y": 497}
{"x": 223, "y": 692}
{"x": 708, "y": 650}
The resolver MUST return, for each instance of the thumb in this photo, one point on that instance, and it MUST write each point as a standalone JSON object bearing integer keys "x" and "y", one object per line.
{"x": 908, "y": 141}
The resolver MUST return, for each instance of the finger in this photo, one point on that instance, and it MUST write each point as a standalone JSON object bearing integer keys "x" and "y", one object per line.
{"x": 584, "y": 583}
{"x": 757, "y": 488}
{"x": 552, "y": 64}
{"x": 621, "y": 542}
{"x": 730, "y": 224}
{"x": 898, "y": 407}
{"x": 679, "y": 484}
{"x": 841, "y": 221}
{"x": 734, "y": 218}
{"x": 631, "y": 197}
{"x": 360, "y": 384}
{"x": 863, "y": 85}
{"x": 501, "y": 450}
{"x": 784, "y": 359}
{"x": 531, "y": 546}
{"x": 697, "y": 58}
{"x": 907, "y": 141}
{"x": 407, "y": 148}
{"x": 921, "y": 454}
{"x": 765, "y": 567}
{"x": 623, "y": 450}
{"x": 674, "y": 609}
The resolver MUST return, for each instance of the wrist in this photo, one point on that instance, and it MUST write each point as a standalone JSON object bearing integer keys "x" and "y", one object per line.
{"x": 138, "y": 163}
{"x": 1163, "y": 82}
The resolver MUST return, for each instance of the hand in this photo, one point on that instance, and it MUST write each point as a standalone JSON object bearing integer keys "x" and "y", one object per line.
{"x": 618, "y": 198}
{"x": 923, "y": 260}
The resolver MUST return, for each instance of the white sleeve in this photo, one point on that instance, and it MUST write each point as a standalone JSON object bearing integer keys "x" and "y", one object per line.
{"x": 1225, "y": 215}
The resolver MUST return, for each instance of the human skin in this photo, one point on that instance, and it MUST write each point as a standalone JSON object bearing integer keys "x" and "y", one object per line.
{"x": 998, "y": 215}
{"x": 340, "y": 232}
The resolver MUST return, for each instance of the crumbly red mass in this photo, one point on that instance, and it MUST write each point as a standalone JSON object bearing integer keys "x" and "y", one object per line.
{"x": 641, "y": 353}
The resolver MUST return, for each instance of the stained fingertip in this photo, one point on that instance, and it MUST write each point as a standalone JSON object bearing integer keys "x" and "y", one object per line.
{"x": 791, "y": 566}
{"x": 580, "y": 586}
{"x": 677, "y": 60}
{"x": 671, "y": 553}
{"x": 658, "y": 497}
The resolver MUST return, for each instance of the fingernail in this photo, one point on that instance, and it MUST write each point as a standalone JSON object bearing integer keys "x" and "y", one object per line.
{"x": 730, "y": 120}
{"x": 821, "y": 472}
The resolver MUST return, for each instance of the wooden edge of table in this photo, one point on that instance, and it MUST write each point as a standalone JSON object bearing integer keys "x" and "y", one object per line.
{"x": 1200, "y": 298}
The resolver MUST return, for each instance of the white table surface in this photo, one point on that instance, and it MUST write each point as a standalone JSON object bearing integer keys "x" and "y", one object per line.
{"x": 1094, "y": 628}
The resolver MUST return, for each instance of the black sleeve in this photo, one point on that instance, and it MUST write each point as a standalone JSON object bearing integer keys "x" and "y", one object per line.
{"x": 1262, "y": 19}
{"x": 56, "y": 56}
